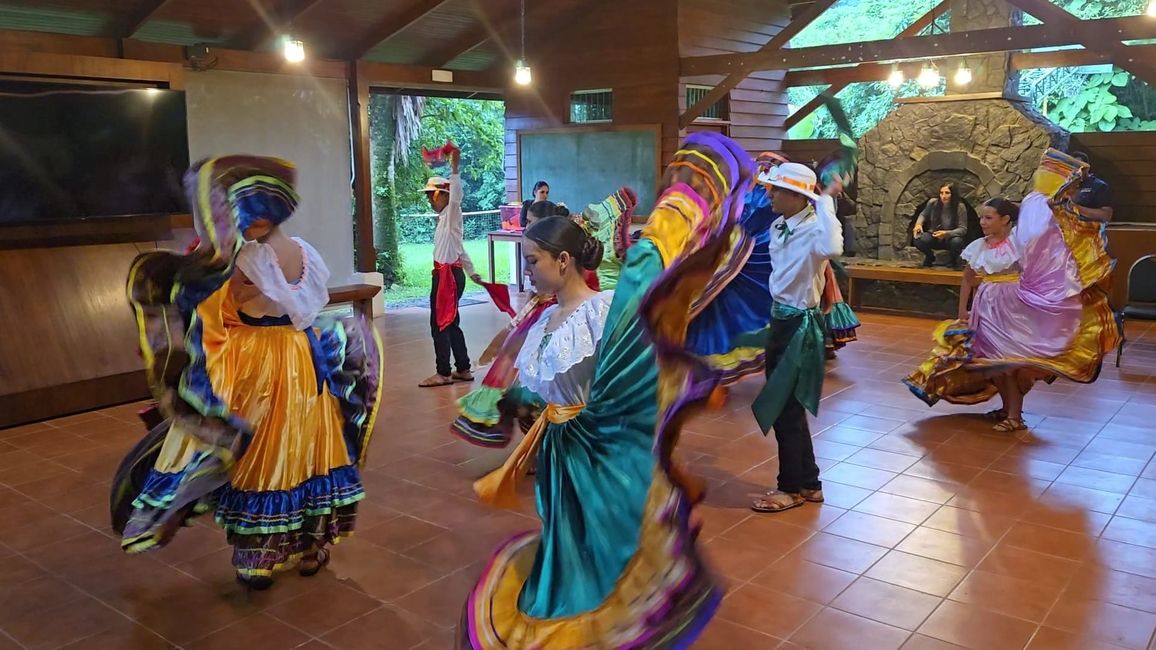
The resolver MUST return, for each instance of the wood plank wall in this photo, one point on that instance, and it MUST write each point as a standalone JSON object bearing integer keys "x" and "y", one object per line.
{"x": 629, "y": 47}
{"x": 1127, "y": 161}
{"x": 758, "y": 106}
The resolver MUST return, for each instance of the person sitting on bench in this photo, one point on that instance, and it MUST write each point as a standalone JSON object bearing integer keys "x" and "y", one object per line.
{"x": 941, "y": 226}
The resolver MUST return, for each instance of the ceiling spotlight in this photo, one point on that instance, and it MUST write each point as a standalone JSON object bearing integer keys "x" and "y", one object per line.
{"x": 929, "y": 76}
{"x": 1151, "y": 11}
{"x": 294, "y": 50}
{"x": 896, "y": 77}
{"x": 963, "y": 75}
{"x": 522, "y": 75}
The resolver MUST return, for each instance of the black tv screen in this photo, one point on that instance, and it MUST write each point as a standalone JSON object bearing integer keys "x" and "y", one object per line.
{"x": 74, "y": 152}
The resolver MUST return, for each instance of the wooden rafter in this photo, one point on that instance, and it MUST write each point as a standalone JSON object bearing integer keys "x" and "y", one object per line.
{"x": 393, "y": 23}
{"x": 139, "y": 15}
{"x": 254, "y": 35}
{"x": 472, "y": 38}
{"x": 1053, "y": 15}
{"x": 843, "y": 75}
{"x": 982, "y": 41}
{"x": 914, "y": 28}
{"x": 734, "y": 78}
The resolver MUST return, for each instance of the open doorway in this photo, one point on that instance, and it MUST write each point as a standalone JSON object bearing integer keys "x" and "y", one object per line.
{"x": 400, "y": 124}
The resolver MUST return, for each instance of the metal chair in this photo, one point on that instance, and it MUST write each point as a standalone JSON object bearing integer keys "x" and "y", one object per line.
{"x": 1140, "y": 303}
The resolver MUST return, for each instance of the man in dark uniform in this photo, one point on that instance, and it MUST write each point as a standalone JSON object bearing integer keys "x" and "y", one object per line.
{"x": 1094, "y": 197}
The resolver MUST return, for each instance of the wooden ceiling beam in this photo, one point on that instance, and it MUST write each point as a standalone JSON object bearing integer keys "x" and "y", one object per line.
{"x": 1053, "y": 15}
{"x": 395, "y": 22}
{"x": 473, "y": 37}
{"x": 918, "y": 25}
{"x": 774, "y": 45}
{"x": 842, "y": 76}
{"x": 257, "y": 33}
{"x": 982, "y": 41}
{"x": 136, "y": 18}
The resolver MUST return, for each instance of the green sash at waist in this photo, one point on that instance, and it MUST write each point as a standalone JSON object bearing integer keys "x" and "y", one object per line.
{"x": 795, "y": 368}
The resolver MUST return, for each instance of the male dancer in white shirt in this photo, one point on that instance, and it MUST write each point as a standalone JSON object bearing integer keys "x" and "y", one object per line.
{"x": 802, "y": 241}
{"x": 451, "y": 265}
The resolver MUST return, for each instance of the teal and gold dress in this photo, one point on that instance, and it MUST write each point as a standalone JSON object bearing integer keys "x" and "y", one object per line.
{"x": 615, "y": 564}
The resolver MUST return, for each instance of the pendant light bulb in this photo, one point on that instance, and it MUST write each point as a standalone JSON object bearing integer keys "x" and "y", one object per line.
{"x": 896, "y": 78}
{"x": 963, "y": 75}
{"x": 522, "y": 75}
{"x": 293, "y": 49}
{"x": 929, "y": 76}
{"x": 1151, "y": 10}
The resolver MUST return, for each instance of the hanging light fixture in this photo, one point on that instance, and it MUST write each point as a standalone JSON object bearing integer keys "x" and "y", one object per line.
{"x": 963, "y": 75}
{"x": 895, "y": 79}
{"x": 1151, "y": 10}
{"x": 293, "y": 49}
{"x": 929, "y": 76}
{"x": 522, "y": 75}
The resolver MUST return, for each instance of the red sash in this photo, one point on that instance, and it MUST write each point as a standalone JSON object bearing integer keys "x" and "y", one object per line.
{"x": 446, "y": 300}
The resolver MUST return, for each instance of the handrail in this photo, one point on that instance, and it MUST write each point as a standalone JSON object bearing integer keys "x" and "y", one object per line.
{"x": 464, "y": 214}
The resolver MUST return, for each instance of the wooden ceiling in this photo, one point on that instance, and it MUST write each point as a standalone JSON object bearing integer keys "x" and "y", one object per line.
{"x": 456, "y": 34}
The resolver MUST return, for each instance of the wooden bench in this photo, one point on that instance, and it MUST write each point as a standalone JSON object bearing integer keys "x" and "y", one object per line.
{"x": 360, "y": 295}
{"x": 858, "y": 273}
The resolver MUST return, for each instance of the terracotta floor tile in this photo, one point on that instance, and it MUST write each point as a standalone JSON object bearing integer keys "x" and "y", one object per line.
{"x": 770, "y": 532}
{"x": 870, "y": 528}
{"x": 941, "y": 471}
{"x": 925, "y": 489}
{"x": 1097, "y": 479}
{"x": 972, "y": 627}
{"x": 1103, "y": 621}
{"x": 969, "y": 523}
{"x": 879, "y": 459}
{"x": 916, "y": 572}
{"x": 848, "y": 436}
{"x": 836, "y": 630}
{"x": 441, "y": 602}
{"x": 323, "y": 609}
{"x": 887, "y": 603}
{"x": 1131, "y": 531}
{"x": 122, "y": 637}
{"x": 1049, "y": 638}
{"x": 1063, "y": 495}
{"x": 946, "y": 547}
{"x": 1095, "y": 582}
{"x": 402, "y": 629}
{"x": 260, "y": 630}
{"x": 724, "y": 635}
{"x": 1138, "y": 508}
{"x": 64, "y": 624}
{"x": 900, "y": 508}
{"x": 739, "y": 561}
{"x": 842, "y": 495}
{"x": 1085, "y": 522}
{"x": 873, "y": 424}
{"x": 1028, "y": 466}
{"x": 832, "y": 450}
{"x": 1029, "y": 565}
{"x": 1027, "y": 599}
{"x": 1144, "y": 487}
{"x": 841, "y": 552}
{"x": 401, "y": 533}
{"x": 862, "y": 477}
{"x": 770, "y": 612}
{"x": 921, "y": 642}
{"x": 1110, "y": 463}
{"x": 1049, "y": 541}
{"x": 1126, "y": 557}
{"x": 797, "y": 577}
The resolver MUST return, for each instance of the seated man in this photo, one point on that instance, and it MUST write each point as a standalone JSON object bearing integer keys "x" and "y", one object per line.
{"x": 941, "y": 226}
{"x": 1094, "y": 197}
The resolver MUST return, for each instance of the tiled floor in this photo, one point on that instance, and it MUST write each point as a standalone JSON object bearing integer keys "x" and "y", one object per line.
{"x": 936, "y": 533}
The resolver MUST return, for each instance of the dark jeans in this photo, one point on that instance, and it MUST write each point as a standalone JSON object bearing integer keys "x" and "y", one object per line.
{"x": 926, "y": 244}
{"x": 451, "y": 338}
{"x": 797, "y": 468}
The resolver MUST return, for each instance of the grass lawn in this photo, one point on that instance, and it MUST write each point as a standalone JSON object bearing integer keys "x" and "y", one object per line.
{"x": 417, "y": 260}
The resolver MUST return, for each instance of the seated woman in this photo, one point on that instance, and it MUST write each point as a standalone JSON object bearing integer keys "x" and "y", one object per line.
{"x": 542, "y": 205}
{"x": 1038, "y": 312}
{"x": 615, "y": 564}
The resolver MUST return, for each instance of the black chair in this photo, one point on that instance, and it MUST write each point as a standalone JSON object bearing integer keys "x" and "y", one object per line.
{"x": 1141, "y": 296}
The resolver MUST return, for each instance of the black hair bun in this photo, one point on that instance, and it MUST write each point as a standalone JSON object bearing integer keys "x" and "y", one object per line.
{"x": 591, "y": 255}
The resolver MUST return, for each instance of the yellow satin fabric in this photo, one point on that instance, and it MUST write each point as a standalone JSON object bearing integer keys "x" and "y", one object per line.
{"x": 650, "y": 574}
{"x": 499, "y": 488}
{"x": 266, "y": 376}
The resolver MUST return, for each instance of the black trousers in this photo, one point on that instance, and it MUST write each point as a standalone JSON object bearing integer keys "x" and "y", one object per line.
{"x": 797, "y": 468}
{"x": 926, "y": 244}
{"x": 451, "y": 338}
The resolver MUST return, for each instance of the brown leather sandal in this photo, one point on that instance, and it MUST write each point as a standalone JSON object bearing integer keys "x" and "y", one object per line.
{"x": 312, "y": 565}
{"x": 776, "y": 501}
{"x": 435, "y": 381}
{"x": 1008, "y": 425}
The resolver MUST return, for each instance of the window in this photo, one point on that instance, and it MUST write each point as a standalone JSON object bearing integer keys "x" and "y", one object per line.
{"x": 716, "y": 111}
{"x": 592, "y": 106}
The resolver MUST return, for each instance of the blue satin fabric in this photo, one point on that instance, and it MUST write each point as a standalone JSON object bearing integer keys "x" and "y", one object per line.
{"x": 744, "y": 306}
{"x": 594, "y": 471}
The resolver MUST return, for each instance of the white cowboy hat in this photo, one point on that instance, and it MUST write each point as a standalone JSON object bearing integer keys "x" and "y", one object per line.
{"x": 436, "y": 184}
{"x": 795, "y": 177}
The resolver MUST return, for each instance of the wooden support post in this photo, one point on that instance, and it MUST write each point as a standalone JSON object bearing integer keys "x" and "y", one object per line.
{"x": 365, "y": 253}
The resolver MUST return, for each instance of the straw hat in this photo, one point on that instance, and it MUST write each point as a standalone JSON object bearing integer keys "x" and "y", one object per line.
{"x": 436, "y": 184}
{"x": 795, "y": 177}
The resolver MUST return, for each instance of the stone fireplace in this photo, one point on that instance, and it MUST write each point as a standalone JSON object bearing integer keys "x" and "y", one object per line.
{"x": 983, "y": 138}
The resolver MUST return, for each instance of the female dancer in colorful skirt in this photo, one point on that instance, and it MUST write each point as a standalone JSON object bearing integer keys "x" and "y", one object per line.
{"x": 268, "y": 410}
{"x": 615, "y": 564}
{"x": 1041, "y": 318}
{"x": 608, "y": 222}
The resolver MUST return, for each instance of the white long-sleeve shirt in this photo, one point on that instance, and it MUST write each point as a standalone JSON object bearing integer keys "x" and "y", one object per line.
{"x": 800, "y": 246}
{"x": 450, "y": 231}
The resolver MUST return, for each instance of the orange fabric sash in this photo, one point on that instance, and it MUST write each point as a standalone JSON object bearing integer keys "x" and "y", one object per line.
{"x": 499, "y": 488}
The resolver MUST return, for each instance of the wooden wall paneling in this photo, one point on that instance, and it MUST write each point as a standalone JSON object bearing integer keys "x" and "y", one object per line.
{"x": 1127, "y": 161}
{"x": 1127, "y": 243}
{"x": 47, "y": 64}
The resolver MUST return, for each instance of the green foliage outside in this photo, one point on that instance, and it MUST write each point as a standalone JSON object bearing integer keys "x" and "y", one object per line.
{"x": 399, "y": 127}
{"x": 416, "y": 260}
{"x": 1094, "y": 98}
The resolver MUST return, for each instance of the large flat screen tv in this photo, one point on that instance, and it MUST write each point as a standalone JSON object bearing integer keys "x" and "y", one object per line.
{"x": 77, "y": 152}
